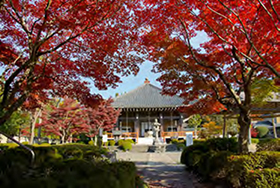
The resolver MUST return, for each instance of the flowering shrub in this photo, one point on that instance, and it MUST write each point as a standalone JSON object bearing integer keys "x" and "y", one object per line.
{"x": 254, "y": 133}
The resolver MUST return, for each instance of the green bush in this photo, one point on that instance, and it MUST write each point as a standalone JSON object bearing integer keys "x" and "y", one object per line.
{"x": 126, "y": 146}
{"x": 255, "y": 140}
{"x": 186, "y": 154}
{"x": 262, "y": 131}
{"x": 25, "y": 143}
{"x": 263, "y": 178}
{"x": 213, "y": 144}
{"x": 91, "y": 142}
{"x": 223, "y": 144}
{"x": 105, "y": 144}
{"x": 112, "y": 142}
{"x": 241, "y": 167}
{"x": 211, "y": 164}
{"x": 120, "y": 142}
{"x": 174, "y": 141}
{"x": 196, "y": 141}
{"x": 130, "y": 140}
{"x": 51, "y": 170}
{"x": 272, "y": 144}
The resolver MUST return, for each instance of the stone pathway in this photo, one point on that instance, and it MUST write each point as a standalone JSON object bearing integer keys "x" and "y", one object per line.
{"x": 161, "y": 169}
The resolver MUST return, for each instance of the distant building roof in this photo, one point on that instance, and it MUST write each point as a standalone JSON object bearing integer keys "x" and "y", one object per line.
{"x": 146, "y": 96}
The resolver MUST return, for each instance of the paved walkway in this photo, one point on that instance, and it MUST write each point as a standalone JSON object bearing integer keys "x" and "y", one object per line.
{"x": 161, "y": 169}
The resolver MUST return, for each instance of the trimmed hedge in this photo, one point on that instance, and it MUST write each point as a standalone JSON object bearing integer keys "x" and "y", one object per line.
{"x": 213, "y": 144}
{"x": 262, "y": 131}
{"x": 261, "y": 169}
{"x": 64, "y": 166}
{"x": 112, "y": 142}
{"x": 272, "y": 144}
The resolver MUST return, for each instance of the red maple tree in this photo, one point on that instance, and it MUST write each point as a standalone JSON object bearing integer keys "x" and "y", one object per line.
{"x": 66, "y": 120}
{"x": 243, "y": 43}
{"x": 48, "y": 46}
{"x": 104, "y": 116}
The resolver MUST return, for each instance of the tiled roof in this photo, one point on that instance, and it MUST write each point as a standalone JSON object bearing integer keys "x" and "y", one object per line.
{"x": 146, "y": 96}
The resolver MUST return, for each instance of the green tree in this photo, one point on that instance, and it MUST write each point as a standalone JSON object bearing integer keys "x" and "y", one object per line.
{"x": 18, "y": 120}
{"x": 195, "y": 121}
{"x": 262, "y": 92}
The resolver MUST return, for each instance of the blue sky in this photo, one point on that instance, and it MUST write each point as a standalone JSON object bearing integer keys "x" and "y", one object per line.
{"x": 131, "y": 82}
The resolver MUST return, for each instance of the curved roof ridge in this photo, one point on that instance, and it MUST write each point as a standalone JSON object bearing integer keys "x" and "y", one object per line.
{"x": 146, "y": 96}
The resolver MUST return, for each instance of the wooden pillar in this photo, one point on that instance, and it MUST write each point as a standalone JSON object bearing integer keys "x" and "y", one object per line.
{"x": 161, "y": 127}
{"x": 171, "y": 120}
{"x": 136, "y": 125}
{"x": 181, "y": 122}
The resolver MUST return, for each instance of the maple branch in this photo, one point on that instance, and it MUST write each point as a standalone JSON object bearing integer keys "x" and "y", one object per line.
{"x": 236, "y": 79}
{"x": 222, "y": 77}
{"x": 10, "y": 80}
{"x": 19, "y": 20}
{"x": 275, "y": 12}
{"x": 223, "y": 16}
{"x": 250, "y": 41}
{"x": 44, "y": 22}
{"x": 10, "y": 65}
{"x": 278, "y": 29}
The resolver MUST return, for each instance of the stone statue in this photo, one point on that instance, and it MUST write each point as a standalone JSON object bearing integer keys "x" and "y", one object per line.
{"x": 157, "y": 129}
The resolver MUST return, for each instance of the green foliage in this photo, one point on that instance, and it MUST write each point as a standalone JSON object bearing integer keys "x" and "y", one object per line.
{"x": 196, "y": 141}
{"x": 91, "y": 142}
{"x": 263, "y": 178}
{"x": 255, "y": 140}
{"x": 19, "y": 119}
{"x": 201, "y": 147}
{"x": 262, "y": 90}
{"x": 112, "y": 142}
{"x": 126, "y": 146}
{"x": 262, "y": 131}
{"x": 223, "y": 144}
{"x": 53, "y": 170}
{"x": 174, "y": 141}
{"x": 240, "y": 168}
{"x": 269, "y": 145}
{"x": 259, "y": 169}
{"x": 194, "y": 121}
{"x": 105, "y": 144}
{"x": 120, "y": 142}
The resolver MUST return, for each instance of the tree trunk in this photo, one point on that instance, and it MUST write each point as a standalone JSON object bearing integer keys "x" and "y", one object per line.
{"x": 225, "y": 127}
{"x": 33, "y": 123}
{"x": 274, "y": 128}
{"x": 195, "y": 132}
{"x": 244, "y": 122}
{"x": 95, "y": 140}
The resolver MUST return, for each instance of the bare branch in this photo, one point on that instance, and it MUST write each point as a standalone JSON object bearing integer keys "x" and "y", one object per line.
{"x": 278, "y": 17}
{"x": 278, "y": 29}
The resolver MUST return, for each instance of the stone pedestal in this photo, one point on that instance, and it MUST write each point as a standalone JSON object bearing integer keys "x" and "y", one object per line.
{"x": 158, "y": 148}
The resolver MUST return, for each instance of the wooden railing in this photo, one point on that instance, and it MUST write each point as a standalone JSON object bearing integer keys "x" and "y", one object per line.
{"x": 124, "y": 135}
{"x": 174, "y": 134}
{"x": 163, "y": 134}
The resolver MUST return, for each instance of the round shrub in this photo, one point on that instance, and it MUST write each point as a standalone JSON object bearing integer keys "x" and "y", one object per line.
{"x": 120, "y": 142}
{"x": 91, "y": 142}
{"x": 269, "y": 145}
{"x": 130, "y": 140}
{"x": 262, "y": 131}
{"x": 112, "y": 142}
{"x": 126, "y": 146}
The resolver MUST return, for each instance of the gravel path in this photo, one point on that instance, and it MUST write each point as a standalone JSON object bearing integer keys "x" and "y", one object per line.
{"x": 161, "y": 169}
